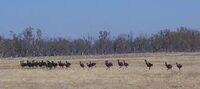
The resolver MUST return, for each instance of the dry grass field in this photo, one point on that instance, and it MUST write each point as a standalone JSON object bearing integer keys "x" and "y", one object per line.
{"x": 137, "y": 76}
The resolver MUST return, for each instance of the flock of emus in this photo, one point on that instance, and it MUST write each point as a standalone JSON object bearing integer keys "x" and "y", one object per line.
{"x": 66, "y": 64}
{"x": 44, "y": 64}
{"x": 168, "y": 66}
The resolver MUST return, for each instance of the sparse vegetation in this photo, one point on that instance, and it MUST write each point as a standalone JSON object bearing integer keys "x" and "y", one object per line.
{"x": 31, "y": 43}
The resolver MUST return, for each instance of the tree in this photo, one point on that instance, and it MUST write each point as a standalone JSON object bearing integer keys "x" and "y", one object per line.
{"x": 121, "y": 44}
{"x": 103, "y": 44}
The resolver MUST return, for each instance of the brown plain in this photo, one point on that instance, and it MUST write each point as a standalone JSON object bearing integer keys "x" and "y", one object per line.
{"x": 136, "y": 76}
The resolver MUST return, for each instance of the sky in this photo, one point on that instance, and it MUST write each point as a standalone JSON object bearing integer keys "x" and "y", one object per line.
{"x": 76, "y": 18}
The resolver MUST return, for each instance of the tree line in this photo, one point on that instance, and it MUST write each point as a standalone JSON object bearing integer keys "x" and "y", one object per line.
{"x": 31, "y": 43}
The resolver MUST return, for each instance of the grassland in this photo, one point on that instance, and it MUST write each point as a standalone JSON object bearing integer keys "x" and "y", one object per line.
{"x": 137, "y": 76}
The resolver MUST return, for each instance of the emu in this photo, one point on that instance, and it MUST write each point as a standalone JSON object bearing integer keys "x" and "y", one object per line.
{"x": 49, "y": 65}
{"x": 36, "y": 64}
{"x": 179, "y": 66}
{"x": 120, "y": 64}
{"x": 108, "y": 64}
{"x": 29, "y": 64}
{"x": 67, "y": 64}
{"x": 148, "y": 64}
{"x": 54, "y": 64}
{"x": 33, "y": 64}
{"x": 125, "y": 64}
{"x": 169, "y": 66}
{"x": 93, "y": 64}
{"x": 41, "y": 64}
{"x": 89, "y": 65}
{"x": 61, "y": 64}
{"x": 23, "y": 64}
{"x": 82, "y": 65}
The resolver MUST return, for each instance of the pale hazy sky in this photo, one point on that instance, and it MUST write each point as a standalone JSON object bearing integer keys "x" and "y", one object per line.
{"x": 73, "y": 18}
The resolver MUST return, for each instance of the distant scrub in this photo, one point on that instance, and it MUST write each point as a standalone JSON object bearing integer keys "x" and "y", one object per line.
{"x": 30, "y": 43}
